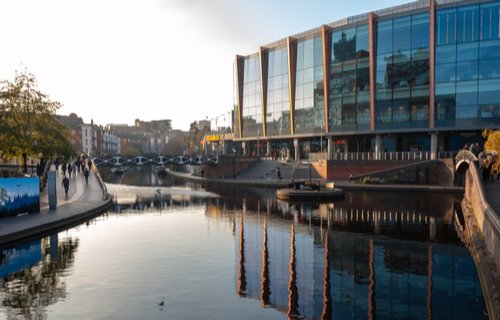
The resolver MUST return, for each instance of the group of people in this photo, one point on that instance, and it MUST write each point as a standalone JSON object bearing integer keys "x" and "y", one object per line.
{"x": 73, "y": 168}
{"x": 489, "y": 168}
{"x": 475, "y": 148}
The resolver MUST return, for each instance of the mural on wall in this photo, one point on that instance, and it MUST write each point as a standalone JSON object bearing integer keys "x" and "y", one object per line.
{"x": 19, "y": 195}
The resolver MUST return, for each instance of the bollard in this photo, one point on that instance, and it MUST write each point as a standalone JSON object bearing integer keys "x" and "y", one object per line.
{"x": 52, "y": 189}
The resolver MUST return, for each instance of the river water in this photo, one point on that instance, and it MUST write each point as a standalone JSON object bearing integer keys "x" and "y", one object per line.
{"x": 170, "y": 250}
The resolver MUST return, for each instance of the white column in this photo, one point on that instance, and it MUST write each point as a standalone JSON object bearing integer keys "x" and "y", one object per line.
{"x": 433, "y": 145}
{"x": 330, "y": 148}
{"x": 378, "y": 146}
{"x": 296, "y": 147}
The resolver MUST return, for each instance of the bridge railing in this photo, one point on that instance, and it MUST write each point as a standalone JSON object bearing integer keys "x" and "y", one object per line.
{"x": 407, "y": 155}
{"x": 155, "y": 160}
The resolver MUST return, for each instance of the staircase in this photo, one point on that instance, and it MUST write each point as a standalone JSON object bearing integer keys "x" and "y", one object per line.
{"x": 267, "y": 170}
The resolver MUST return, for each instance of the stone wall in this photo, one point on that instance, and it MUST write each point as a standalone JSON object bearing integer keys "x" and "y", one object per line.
{"x": 227, "y": 167}
{"x": 429, "y": 172}
{"x": 482, "y": 225}
{"x": 487, "y": 219}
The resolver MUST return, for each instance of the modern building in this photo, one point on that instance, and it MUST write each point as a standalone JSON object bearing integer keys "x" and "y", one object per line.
{"x": 422, "y": 76}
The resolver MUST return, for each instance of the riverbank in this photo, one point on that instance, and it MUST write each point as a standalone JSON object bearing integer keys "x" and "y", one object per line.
{"x": 343, "y": 184}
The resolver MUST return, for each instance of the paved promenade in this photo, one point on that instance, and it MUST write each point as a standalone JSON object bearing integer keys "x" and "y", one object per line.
{"x": 83, "y": 201}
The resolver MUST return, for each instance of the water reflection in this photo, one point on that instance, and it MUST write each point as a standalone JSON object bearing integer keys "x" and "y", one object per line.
{"x": 32, "y": 276}
{"x": 370, "y": 255}
{"x": 346, "y": 275}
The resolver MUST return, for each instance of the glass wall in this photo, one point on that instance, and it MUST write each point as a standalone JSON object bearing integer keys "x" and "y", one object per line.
{"x": 468, "y": 66}
{"x": 349, "y": 80}
{"x": 278, "y": 101}
{"x": 402, "y": 72}
{"x": 236, "y": 125}
{"x": 309, "y": 90}
{"x": 252, "y": 99}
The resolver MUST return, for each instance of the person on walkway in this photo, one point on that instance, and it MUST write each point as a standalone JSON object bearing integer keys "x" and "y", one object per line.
{"x": 74, "y": 169}
{"x": 70, "y": 169}
{"x": 278, "y": 175}
{"x": 86, "y": 174}
{"x": 65, "y": 183}
{"x": 63, "y": 168}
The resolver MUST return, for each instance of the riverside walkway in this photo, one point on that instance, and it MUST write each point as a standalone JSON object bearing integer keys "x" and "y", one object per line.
{"x": 83, "y": 201}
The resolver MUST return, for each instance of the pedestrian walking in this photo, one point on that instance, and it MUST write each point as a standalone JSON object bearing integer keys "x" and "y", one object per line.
{"x": 63, "y": 168}
{"x": 278, "y": 174}
{"x": 86, "y": 174}
{"x": 65, "y": 183}
{"x": 70, "y": 169}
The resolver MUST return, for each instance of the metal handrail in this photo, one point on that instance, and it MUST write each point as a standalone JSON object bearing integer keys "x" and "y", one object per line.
{"x": 406, "y": 155}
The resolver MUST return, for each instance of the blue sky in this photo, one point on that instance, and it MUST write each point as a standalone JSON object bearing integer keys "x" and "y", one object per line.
{"x": 117, "y": 60}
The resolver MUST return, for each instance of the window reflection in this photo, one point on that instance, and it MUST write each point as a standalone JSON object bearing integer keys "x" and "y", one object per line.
{"x": 252, "y": 106}
{"x": 349, "y": 80}
{"x": 309, "y": 89}
{"x": 402, "y": 78}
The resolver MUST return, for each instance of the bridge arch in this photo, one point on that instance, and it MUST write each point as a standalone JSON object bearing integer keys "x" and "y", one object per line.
{"x": 463, "y": 160}
{"x": 464, "y": 157}
{"x": 159, "y": 160}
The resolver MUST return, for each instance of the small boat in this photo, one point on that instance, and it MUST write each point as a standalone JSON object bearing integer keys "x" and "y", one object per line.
{"x": 307, "y": 191}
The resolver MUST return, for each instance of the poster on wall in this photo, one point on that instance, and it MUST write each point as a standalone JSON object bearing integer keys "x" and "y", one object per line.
{"x": 19, "y": 195}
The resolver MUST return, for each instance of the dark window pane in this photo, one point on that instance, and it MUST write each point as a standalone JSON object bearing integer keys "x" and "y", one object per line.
{"x": 489, "y": 69}
{"x": 445, "y": 72}
{"x": 446, "y": 54}
{"x": 489, "y": 49}
{"x": 467, "y": 51}
{"x": 349, "y": 44}
{"x": 467, "y": 71}
{"x": 337, "y": 47}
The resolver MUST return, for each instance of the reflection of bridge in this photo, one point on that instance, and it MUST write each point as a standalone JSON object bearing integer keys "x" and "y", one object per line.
{"x": 159, "y": 160}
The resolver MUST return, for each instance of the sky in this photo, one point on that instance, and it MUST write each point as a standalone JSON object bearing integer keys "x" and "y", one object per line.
{"x": 114, "y": 61}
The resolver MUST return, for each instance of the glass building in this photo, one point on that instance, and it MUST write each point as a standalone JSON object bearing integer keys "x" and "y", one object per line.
{"x": 423, "y": 76}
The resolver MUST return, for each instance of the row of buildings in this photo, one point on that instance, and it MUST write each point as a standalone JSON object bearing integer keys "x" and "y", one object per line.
{"x": 422, "y": 76}
{"x": 142, "y": 138}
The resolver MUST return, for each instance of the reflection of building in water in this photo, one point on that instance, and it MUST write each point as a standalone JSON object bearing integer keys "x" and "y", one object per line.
{"x": 35, "y": 282}
{"x": 308, "y": 272}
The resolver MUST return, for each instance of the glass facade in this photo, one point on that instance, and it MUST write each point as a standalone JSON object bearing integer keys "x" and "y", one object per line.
{"x": 468, "y": 66}
{"x": 309, "y": 88}
{"x": 402, "y": 72}
{"x": 236, "y": 124}
{"x": 252, "y": 98}
{"x": 278, "y": 97}
{"x": 349, "y": 80}
{"x": 466, "y": 78}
